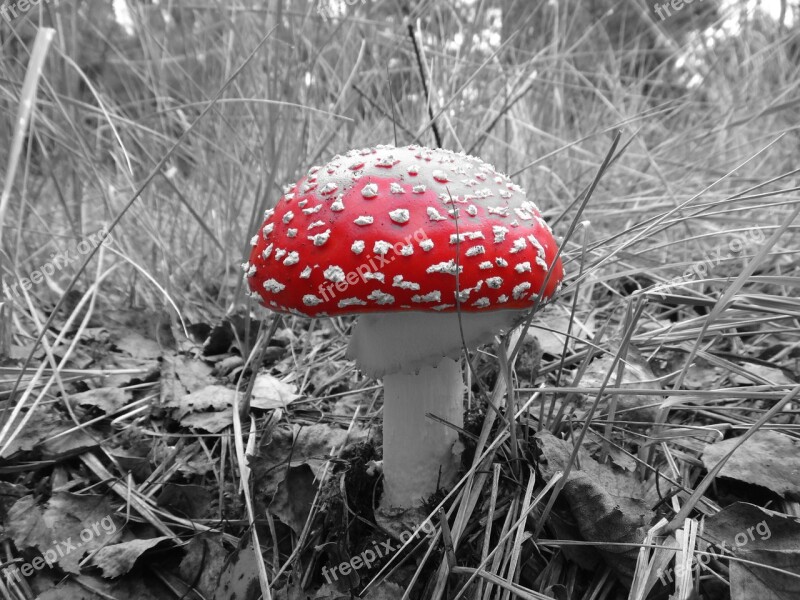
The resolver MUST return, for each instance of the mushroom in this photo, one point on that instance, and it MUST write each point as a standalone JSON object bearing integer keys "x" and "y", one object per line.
{"x": 435, "y": 251}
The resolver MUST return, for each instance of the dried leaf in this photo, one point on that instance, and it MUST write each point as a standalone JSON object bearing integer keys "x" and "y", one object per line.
{"x": 190, "y": 501}
{"x": 769, "y": 459}
{"x": 774, "y": 375}
{"x": 294, "y": 498}
{"x": 595, "y": 444}
{"x": 326, "y": 592}
{"x": 69, "y": 526}
{"x": 38, "y": 434}
{"x": 204, "y": 562}
{"x": 303, "y": 445}
{"x": 180, "y": 374}
{"x": 239, "y": 581}
{"x": 9, "y": 494}
{"x": 107, "y": 399}
{"x": 609, "y": 505}
{"x": 269, "y": 392}
{"x": 136, "y": 345}
{"x": 702, "y": 376}
{"x": 117, "y": 559}
{"x": 762, "y": 536}
{"x": 86, "y": 587}
{"x": 213, "y": 422}
{"x": 551, "y": 332}
{"x": 209, "y": 408}
{"x": 211, "y": 397}
{"x": 194, "y": 375}
{"x": 636, "y": 374}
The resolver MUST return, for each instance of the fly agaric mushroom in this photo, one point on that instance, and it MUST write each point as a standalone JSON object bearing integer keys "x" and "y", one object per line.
{"x": 434, "y": 250}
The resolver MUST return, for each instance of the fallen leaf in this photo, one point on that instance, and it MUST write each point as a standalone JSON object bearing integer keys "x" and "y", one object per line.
{"x": 181, "y": 374}
{"x": 9, "y": 494}
{"x": 302, "y": 446}
{"x": 239, "y": 581}
{"x": 551, "y": 332}
{"x": 761, "y": 536}
{"x": 386, "y": 590}
{"x": 117, "y": 559}
{"x": 138, "y": 466}
{"x": 69, "y": 526}
{"x": 190, "y": 460}
{"x": 209, "y": 408}
{"x": 596, "y": 444}
{"x": 122, "y": 370}
{"x": 39, "y": 434}
{"x": 204, "y": 562}
{"x": 193, "y": 374}
{"x": 191, "y": 501}
{"x": 768, "y": 458}
{"x": 210, "y": 397}
{"x": 107, "y": 399}
{"x": 702, "y": 376}
{"x": 773, "y": 375}
{"x": 85, "y": 587}
{"x": 326, "y": 592}
{"x": 269, "y": 392}
{"x": 295, "y": 496}
{"x": 212, "y": 422}
{"x": 136, "y": 345}
{"x": 636, "y": 374}
{"x": 608, "y": 504}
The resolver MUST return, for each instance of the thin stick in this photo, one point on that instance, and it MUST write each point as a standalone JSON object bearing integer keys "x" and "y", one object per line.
{"x": 423, "y": 74}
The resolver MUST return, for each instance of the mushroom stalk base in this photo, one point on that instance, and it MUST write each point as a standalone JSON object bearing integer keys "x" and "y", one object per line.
{"x": 419, "y": 451}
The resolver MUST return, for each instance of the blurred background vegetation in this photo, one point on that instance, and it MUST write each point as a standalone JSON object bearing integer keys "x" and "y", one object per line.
{"x": 536, "y": 87}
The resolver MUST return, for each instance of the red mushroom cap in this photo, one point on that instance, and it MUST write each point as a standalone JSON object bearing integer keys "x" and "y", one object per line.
{"x": 385, "y": 229}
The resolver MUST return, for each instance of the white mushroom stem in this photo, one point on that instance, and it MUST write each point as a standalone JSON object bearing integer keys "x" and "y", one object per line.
{"x": 416, "y": 354}
{"x": 420, "y": 452}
